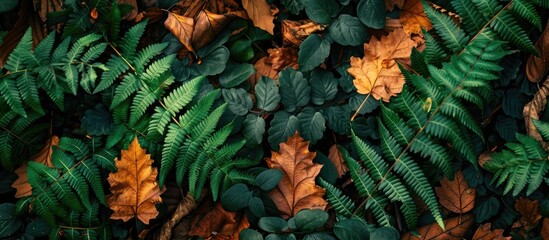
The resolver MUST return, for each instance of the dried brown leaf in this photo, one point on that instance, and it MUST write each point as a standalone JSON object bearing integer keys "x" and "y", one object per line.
{"x": 529, "y": 213}
{"x": 413, "y": 18}
{"x": 297, "y": 189}
{"x": 21, "y": 184}
{"x": 133, "y": 13}
{"x": 484, "y": 233}
{"x": 294, "y": 32}
{"x": 43, "y": 7}
{"x": 134, "y": 188}
{"x": 280, "y": 58}
{"x": 536, "y": 67}
{"x": 211, "y": 221}
{"x": 390, "y": 4}
{"x": 456, "y": 195}
{"x": 259, "y": 12}
{"x": 545, "y": 229}
{"x": 262, "y": 68}
{"x": 182, "y": 28}
{"x": 337, "y": 159}
{"x": 456, "y": 229}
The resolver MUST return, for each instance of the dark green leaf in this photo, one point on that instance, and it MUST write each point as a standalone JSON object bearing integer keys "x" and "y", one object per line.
{"x": 236, "y": 197}
{"x": 268, "y": 179}
{"x": 323, "y": 87}
{"x": 294, "y": 89}
{"x": 370, "y": 105}
{"x": 372, "y": 13}
{"x": 214, "y": 63}
{"x": 351, "y": 229}
{"x": 7, "y": 5}
{"x": 318, "y": 236}
{"x": 348, "y": 31}
{"x": 37, "y": 228}
{"x": 6, "y": 181}
{"x": 238, "y": 99}
{"x": 266, "y": 94}
{"x": 97, "y": 121}
{"x": 312, "y": 52}
{"x": 385, "y": 233}
{"x": 235, "y": 74}
{"x": 294, "y": 6}
{"x": 273, "y": 224}
{"x": 310, "y": 219}
{"x": 9, "y": 223}
{"x": 249, "y": 234}
{"x": 338, "y": 119}
{"x": 254, "y": 128}
{"x": 321, "y": 11}
{"x": 256, "y": 207}
{"x": 328, "y": 172}
{"x": 241, "y": 50}
{"x": 312, "y": 124}
{"x": 283, "y": 125}
{"x": 486, "y": 209}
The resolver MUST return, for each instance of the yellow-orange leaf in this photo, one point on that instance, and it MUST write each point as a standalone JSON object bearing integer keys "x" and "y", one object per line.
{"x": 529, "y": 213}
{"x": 182, "y": 28}
{"x": 134, "y": 188}
{"x": 456, "y": 229}
{"x": 21, "y": 184}
{"x": 413, "y": 18}
{"x": 337, "y": 159}
{"x": 378, "y": 73}
{"x": 260, "y": 13}
{"x": 297, "y": 189}
{"x": 456, "y": 195}
{"x": 484, "y": 233}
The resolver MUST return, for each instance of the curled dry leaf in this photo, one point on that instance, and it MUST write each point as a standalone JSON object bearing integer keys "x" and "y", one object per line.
{"x": 413, "y": 18}
{"x": 153, "y": 14}
{"x": 456, "y": 195}
{"x": 484, "y": 233}
{"x": 337, "y": 159}
{"x": 545, "y": 229}
{"x": 280, "y": 58}
{"x": 294, "y": 32}
{"x": 21, "y": 184}
{"x": 211, "y": 221}
{"x": 529, "y": 213}
{"x": 134, "y": 188}
{"x": 260, "y": 13}
{"x": 297, "y": 189}
{"x": 536, "y": 67}
{"x": 390, "y": 4}
{"x": 378, "y": 73}
{"x": 456, "y": 229}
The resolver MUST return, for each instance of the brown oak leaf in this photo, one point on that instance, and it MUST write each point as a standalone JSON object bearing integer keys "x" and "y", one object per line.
{"x": 294, "y": 32}
{"x": 134, "y": 188}
{"x": 536, "y": 67}
{"x": 390, "y": 4}
{"x": 21, "y": 184}
{"x": 337, "y": 159}
{"x": 456, "y": 195}
{"x": 529, "y": 213}
{"x": 378, "y": 73}
{"x": 280, "y": 58}
{"x": 455, "y": 229}
{"x": 413, "y": 18}
{"x": 211, "y": 221}
{"x": 297, "y": 189}
{"x": 260, "y": 13}
{"x": 484, "y": 233}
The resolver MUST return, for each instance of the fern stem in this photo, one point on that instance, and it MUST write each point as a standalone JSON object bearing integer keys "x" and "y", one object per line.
{"x": 123, "y": 58}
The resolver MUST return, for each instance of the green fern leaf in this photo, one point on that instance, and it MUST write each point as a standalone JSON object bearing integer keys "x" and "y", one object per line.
{"x": 342, "y": 204}
{"x": 473, "y": 19}
{"x": 454, "y": 37}
{"x": 509, "y": 29}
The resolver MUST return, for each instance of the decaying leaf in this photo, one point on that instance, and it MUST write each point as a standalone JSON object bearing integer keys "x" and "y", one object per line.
{"x": 294, "y": 32}
{"x": 456, "y": 229}
{"x": 536, "y": 67}
{"x": 378, "y": 73}
{"x": 259, "y": 12}
{"x": 337, "y": 159}
{"x": 262, "y": 68}
{"x": 280, "y": 58}
{"x": 413, "y": 18}
{"x": 134, "y": 188}
{"x": 529, "y": 213}
{"x": 153, "y": 14}
{"x": 545, "y": 229}
{"x": 211, "y": 221}
{"x": 131, "y": 15}
{"x": 456, "y": 195}
{"x": 390, "y": 4}
{"x": 484, "y": 233}
{"x": 297, "y": 189}
{"x": 21, "y": 184}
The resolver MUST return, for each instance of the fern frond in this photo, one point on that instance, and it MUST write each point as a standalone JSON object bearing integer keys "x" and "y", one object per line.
{"x": 509, "y": 29}
{"x": 116, "y": 66}
{"x": 129, "y": 85}
{"x": 454, "y": 37}
{"x": 473, "y": 19}
{"x": 342, "y": 204}
{"x": 17, "y": 58}
{"x": 147, "y": 54}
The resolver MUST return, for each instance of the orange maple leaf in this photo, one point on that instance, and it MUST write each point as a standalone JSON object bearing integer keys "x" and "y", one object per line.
{"x": 378, "y": 73}
{"x": 297, "y": 189}
{"x": 456, "y": 229}
{"x": 456, "y": 195}
{"x": 21, "y": 184}
{"x": 484, "y": 233}
{"x": 134, "y": 188}
{"x": 337, "y": 159}
{"x": 413, "y": 18}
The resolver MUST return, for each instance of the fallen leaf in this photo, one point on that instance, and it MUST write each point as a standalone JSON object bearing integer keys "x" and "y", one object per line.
{"x": 153, "y": 14}
{"x": 390, "y": 4}
{"x": 392, "y": 24}
{"x": 208, "y": 25}
{"x": 182, "y": 28}
{"x": 545, "y": 229}
{"x": 280, "y": 58}
{"x": 262, "y": 68}
{"x": 413, "y": 18}
{"x": 43, "y": 7}
{"x": 484, "y": 233}
{"x": 294, "y": 32}
{"x": 378, "y": 73}
{"x": 536, "y": 67}
{"x": 21, "y": 184}
{"x": 133, "y": 13}
{"x": 259, "y": 12}
{"x": 484, "y": 157}
{"x": 297, "y": 189}
{"x": 134, "y": 188}
{"x": 211, "y": 221}
{"x": 337, "y": 159}
{"x": 529, "y": 213}
{"x": 456, "y": 195}
{"x": 456, "y": 228}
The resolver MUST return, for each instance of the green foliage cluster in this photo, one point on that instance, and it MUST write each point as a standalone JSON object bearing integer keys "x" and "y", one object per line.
{"x": 100, "y": 83}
